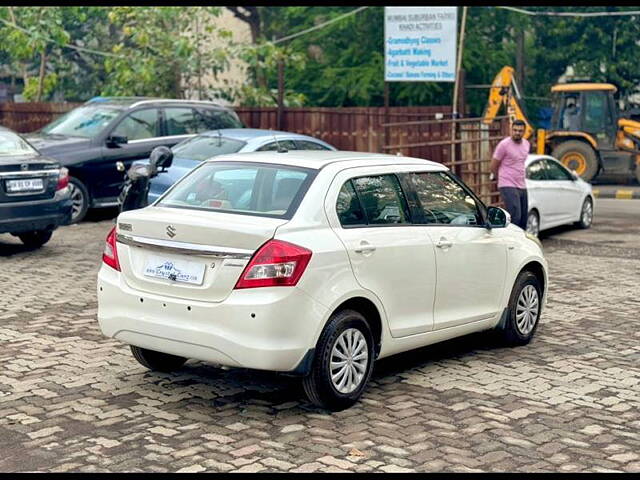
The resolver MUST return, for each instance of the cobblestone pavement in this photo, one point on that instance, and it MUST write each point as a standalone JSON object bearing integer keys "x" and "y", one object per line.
{"x": 73, "y": 400}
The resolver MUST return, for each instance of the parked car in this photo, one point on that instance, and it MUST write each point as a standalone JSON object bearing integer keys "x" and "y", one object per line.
{"x": 189, "y": 153}
{"x": 557, "y": 196}
{"x": 90, "y": 139}
{"x": 336, "y": 259}
{"x": 34, "y": 192}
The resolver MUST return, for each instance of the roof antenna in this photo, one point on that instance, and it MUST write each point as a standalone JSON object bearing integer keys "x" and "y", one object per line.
{"x": 281, "y": 149}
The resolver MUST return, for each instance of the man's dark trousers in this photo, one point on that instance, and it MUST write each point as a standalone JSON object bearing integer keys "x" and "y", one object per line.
{"x": 517, "y": 203}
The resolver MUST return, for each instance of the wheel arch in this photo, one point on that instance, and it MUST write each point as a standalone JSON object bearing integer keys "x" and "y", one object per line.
{"x": 538, "y": 270}
{"x": 370, "y": 311}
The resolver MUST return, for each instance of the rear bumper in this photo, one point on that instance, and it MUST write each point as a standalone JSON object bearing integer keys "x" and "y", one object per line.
{"x": 263, "y": 328}
{"x": 19, "y": 217}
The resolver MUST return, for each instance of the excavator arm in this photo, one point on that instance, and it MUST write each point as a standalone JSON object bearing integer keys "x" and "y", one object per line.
{"x": 504, "y": 91}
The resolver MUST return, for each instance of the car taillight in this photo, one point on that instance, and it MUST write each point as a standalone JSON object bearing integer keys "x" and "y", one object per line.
{"x": 110, "y": 254}
{"x": 63, "y": 178}
{"x": 275, "y": 264}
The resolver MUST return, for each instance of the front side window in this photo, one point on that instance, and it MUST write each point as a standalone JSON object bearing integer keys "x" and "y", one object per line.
{"x": 12, "y": 144}
{"x": 594, "y": 113}
{"x": 443, "y": 201}
{"x": 535, "y": 171}
{"x": 555, "y": 171}
{"x": 245, "y": 188}
{"x": 203, "y": 147}
{"x": 348, "y": 207}
{"x": 139, "y": 125}
{"x": 86, "y": 122}
{"x": 181, "y": 121}
{"x": 382, "y": 199}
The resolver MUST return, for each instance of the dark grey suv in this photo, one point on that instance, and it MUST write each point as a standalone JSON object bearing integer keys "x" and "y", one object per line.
{"x": 90, "y": 139}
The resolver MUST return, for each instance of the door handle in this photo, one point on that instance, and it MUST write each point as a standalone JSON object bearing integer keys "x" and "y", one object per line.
{"x": 365, "y": 247}
{"x": 444, "y": 243}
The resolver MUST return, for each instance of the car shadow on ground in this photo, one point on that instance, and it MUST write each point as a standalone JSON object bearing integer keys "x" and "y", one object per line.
{"x": 279, "y": 392}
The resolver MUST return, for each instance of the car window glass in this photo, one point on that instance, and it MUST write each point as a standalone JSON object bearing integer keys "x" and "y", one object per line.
{"x": 180, "y": 121}
{"x": 443, "y": 201}
{"x": 348, "y": 206}
{"x": 535, "y": 171}
{"x": 273, "y": 146}
{"x": 87, "y": 121}
{"x": 382, "y": 199}
{"x": 209, "y": 119}
{"x": 239, "y": 188}
{"x": 308, "y": 145}
{"x": 138, "y": 125}
{"x": 12, "y": 144}
{"x": 206, "y": 146}
{"x": 594, "y": 115}
{"x": 556, "y": 172}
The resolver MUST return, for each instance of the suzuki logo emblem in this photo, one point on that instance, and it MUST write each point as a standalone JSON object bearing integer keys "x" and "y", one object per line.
{"x": 171, "y": 231}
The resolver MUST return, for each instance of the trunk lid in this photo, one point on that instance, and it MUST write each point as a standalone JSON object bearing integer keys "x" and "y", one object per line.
{"x": 188, "y": 254}
{"x": 26, "y": 178}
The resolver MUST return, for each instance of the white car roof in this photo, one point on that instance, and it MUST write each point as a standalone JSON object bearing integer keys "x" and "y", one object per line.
{"x": 319, "y": 159}
{"x": 532, "y": 157}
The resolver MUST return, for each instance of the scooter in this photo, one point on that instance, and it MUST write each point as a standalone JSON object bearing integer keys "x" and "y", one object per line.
{"x": 137, "y": 180}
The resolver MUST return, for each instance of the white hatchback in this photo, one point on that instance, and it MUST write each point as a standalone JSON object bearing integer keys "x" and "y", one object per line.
{"x": 556, "y": 196}
{"x": 338, "y": 259}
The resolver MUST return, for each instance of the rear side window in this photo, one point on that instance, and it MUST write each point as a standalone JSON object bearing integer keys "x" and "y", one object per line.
{"x": 209, "y": 119}
{"x": 348, "y": 207}
{"x": 307, "y": 145}
{"x": 273, "y": 146}
{"x": 244, "y": 188}
{"x": 535, "y": 171}
{"x": 180, "y": 121}
{"x": 382, "y": 199}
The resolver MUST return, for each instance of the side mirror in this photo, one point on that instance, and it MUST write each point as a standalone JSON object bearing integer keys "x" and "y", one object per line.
{"x": 161, "y": 157}
{"x": 498, "y": 217}
{"x": 574, "y": 175}
{"x": 116, "y": 140}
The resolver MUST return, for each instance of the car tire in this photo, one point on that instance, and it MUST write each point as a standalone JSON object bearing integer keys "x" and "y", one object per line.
{"x": 79, "y": 198}
{"x": 586, "y": 214}
{"x": 344, "y": 329}
{"x": 523, "y": 311}
{"x": 533, "y": 223}
{"x": 574, "y": 153}
{"x": 157, "y": 361}
{"x": 35, "y": 239}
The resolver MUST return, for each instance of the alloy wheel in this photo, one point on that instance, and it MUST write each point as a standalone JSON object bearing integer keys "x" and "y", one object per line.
{"x": 77, "y": 201}
{"x": 587, "y": 213}
{"x": 533, "y": 224}
{"x": 349, "y": 358}
{"x": 527, "y": 310}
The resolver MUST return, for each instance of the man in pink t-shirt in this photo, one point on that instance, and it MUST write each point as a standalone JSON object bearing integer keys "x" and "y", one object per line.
{"x": 508, "y": 165}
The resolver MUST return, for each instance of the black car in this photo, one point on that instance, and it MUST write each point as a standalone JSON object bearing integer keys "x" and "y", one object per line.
{"x": 34, "y": 194}
{"x": 90, "y": 139}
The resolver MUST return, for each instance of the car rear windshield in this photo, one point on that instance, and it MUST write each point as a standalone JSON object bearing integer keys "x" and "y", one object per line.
{"x": 259, "y": 189}
{"x": 203, "y": 147}
{"x": 87, "y": 121}
{"x": 12, "y": 144}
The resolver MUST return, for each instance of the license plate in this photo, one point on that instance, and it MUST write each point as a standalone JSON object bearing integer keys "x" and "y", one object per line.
{"x": 24, "y": 185}
{"x": 175, "y": 270}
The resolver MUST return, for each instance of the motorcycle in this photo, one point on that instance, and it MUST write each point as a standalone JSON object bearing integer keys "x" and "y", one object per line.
{"x": 137, "y": 180}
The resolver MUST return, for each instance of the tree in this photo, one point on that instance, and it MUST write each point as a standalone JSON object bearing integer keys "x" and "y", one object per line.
{"x": 157, "y": 52}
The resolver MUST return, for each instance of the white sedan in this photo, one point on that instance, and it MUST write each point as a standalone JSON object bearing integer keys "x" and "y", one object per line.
{"x": 337, "y": 259}
{"x": 557, "y": 196}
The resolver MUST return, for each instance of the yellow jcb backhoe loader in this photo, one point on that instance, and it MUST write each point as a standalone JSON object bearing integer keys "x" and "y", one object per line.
{"x": 587, "y": 133}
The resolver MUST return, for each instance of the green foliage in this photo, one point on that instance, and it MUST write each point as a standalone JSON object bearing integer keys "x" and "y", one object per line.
{"x": 158, "y": 52}
{"x": 30, "y": 91}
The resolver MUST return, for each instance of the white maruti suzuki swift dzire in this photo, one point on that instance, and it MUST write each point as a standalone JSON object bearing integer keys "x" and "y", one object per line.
{"x": 315, "y": 263}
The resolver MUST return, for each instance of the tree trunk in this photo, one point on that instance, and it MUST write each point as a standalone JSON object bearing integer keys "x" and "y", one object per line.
{"x": 43, "y": 61}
